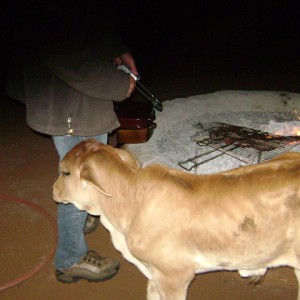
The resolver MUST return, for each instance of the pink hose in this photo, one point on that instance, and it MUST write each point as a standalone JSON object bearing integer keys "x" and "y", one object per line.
{"x": 48, "y": 257}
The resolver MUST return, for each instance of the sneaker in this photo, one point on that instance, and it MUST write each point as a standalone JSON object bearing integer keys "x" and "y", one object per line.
{"x": 91, "y": 224}
{"x": 91, "y": 267}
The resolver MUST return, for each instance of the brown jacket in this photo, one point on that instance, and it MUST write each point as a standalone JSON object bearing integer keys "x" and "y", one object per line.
{"x": 68, "y": 76}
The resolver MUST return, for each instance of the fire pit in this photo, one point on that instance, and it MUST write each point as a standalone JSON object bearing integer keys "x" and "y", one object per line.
{"x": 186, "y": 128}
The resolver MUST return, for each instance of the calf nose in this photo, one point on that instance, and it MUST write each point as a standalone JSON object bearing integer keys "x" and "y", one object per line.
{"x": 55, "y": 194}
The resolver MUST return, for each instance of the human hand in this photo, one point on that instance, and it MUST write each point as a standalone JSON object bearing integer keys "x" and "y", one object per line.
{"x": 131, "y": 86}
{"x": 128, "y": 60}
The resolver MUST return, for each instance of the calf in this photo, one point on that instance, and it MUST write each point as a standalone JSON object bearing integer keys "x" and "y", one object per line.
{"x": 173, "y": 225}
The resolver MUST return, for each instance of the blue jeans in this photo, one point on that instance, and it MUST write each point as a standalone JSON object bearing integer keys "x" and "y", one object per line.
{"x": 71, "y": 243}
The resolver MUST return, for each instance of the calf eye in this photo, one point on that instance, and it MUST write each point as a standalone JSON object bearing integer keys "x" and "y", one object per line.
{"x": 64, "y": 173}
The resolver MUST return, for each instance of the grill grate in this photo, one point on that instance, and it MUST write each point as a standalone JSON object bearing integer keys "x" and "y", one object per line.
{"x": 243, "y": 144}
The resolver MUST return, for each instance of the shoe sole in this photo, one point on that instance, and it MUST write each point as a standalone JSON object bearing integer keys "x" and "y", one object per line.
{"x": 69, "y": 279}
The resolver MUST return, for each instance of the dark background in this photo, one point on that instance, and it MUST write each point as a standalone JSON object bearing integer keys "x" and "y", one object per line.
{"x": 220, "y": 44}
{"x": 212, "y": 37}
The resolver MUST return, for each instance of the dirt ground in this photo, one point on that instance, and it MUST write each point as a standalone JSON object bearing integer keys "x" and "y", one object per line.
{"x": 28, "y": 164}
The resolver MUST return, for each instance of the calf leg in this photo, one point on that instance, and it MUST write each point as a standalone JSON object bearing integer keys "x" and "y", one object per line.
{"x": 152, "y": 291}
{"x": 172, "y": 286}
{"x": 297, "y": 273}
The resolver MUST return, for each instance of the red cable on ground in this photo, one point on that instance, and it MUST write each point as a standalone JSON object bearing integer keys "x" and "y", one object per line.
{"x": 51, "y": 253}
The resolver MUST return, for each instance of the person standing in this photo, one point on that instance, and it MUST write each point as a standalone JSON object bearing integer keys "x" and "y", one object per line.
{"x": 64, "y": 70}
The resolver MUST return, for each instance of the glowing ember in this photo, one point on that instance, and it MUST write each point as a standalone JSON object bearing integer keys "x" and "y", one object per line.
{"x": 289, "y": 131}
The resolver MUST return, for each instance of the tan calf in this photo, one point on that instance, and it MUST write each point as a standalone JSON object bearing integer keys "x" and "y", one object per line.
{"x": 173, "y": 225}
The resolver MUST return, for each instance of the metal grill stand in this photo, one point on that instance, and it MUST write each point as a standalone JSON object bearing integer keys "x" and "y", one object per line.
{"x": 216, "y": 139}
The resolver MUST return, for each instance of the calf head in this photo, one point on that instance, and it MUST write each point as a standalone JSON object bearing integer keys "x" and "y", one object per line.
{"x": 86, "y": 172}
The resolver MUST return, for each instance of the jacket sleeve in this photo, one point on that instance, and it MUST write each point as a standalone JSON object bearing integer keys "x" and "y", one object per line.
{"x": 99, "y": 80}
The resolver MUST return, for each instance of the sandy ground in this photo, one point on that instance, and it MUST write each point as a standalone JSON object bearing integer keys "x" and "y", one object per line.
{"x": 28, "y": 163}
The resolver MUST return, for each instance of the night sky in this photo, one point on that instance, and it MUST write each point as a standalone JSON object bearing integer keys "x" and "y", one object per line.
{"x": 179, "y": 38}
{"x": 203, "y": 33}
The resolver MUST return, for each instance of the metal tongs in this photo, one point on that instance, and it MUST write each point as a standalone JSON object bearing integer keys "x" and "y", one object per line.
{"x": 156, "y": 103}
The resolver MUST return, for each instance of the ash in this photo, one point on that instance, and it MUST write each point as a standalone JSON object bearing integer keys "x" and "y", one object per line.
{"x": 217, "y": 161}
{"x": 172, "y": 139}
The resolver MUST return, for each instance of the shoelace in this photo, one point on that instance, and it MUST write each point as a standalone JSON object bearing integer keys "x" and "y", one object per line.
{"x": 94, "y": 258}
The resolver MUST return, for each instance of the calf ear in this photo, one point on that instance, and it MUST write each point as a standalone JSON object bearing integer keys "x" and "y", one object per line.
{"x": 128, "y": 158}
{"x": 88, "y": 175}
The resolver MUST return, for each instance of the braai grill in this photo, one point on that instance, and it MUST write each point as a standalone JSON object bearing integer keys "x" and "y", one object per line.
{"x": 245, "y": 144}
